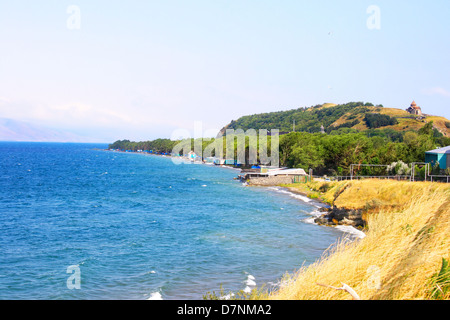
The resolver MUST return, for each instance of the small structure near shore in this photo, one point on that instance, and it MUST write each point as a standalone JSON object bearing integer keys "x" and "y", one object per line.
{"x": 269, "y": 176}
{"x": 439, "y": 156}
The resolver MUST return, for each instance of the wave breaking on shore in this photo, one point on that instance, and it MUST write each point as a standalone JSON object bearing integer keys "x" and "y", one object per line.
{"x": 316, "y": 213}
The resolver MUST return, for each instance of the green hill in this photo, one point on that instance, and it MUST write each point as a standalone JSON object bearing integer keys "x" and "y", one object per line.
{"x": 342, "y": 118}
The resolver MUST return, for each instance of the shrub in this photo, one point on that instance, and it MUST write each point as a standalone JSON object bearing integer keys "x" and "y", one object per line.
{"x": 324, "y": 187}
{"x": 375, "y": 120}
{"x": 441, "y": 281}
{"x": 399, "y": 168}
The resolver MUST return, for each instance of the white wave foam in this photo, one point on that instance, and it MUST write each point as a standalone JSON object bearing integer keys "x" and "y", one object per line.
{"x": 314, "y": 214}
{"x": 347, "y": 229}
{"x": 292, "y": 194}
{"x": 309, "y": 220}
{"x": 250, "y": 282}
{"x": 300, "y": 197}
{"x": 352, "y": 231}
{"x": 155, "y": 296}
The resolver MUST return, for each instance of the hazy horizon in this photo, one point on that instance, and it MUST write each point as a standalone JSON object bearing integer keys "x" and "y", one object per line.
{"x": 132, "y": 70}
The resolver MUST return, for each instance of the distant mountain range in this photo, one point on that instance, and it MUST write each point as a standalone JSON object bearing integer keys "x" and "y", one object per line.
{"x": 341, "y": 118}
{"x": 14, "y": 130}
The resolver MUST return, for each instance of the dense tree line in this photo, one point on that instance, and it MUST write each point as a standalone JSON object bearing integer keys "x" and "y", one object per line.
{"x": 330, "y": 154}
{"x": 376, "y": 120}
{"x": 156, "y": 146}
{"x": 333, "y": 154}
{"x": 305, "y": 119}
{"x": 350, "y": 124}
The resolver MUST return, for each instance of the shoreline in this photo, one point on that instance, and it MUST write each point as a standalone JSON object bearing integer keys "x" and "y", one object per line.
{"x": 324, "y": 214}
{"x": 348, "y": 232}
{"x": 406, "y": 247}
{"x": 181, "y": 160}
{"x": 318, "y": 213}
{"x": 302, "y": 196}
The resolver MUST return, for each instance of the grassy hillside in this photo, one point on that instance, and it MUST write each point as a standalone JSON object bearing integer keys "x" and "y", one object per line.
{"x": 404, "y": 255}
{"x": 337, "y": 117}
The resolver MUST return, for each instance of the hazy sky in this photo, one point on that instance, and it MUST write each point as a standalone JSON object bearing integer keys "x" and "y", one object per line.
{"x": 141, "y": 69}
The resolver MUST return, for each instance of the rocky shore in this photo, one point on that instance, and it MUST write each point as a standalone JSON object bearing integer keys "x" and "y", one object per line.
{"x": 334, "y": 216}
{"x": 341, "y": 216}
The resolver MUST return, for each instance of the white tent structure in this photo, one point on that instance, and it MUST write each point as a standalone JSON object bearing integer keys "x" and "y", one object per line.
{"x": 287, "y": 172}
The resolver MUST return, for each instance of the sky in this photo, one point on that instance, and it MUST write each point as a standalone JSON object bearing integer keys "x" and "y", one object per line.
{"x": 141, "y": 70}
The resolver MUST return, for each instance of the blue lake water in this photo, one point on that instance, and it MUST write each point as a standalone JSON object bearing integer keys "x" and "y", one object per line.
{"x": 135, "y": 225}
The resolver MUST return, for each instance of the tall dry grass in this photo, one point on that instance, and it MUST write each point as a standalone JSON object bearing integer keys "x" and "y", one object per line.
{"x": 400, "y": 256}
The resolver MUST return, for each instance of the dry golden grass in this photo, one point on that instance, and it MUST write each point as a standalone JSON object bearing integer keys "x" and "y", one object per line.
{"x": 403, "y": 249}
{"x": 325, "y": 105}
{"x": 394, "y": 112}
{"x": 439, "y": 123}
{"x": 404, "y": 124}
{"x": 388, "y": 193}
{"x": 407, "y": 124}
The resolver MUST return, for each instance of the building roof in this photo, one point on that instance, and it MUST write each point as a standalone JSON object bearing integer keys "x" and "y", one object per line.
{"x": 414, "y": 106}
{"x": 299, "y": 172}
{"x": 445, "y": 150}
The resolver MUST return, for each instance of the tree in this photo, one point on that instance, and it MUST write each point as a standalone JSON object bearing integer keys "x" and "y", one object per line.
{"x": 427, "y": 129}
{"x": 376, "y": 120}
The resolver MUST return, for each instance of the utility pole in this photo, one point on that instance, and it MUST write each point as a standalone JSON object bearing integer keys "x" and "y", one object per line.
{"x": 293, "y": 126}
